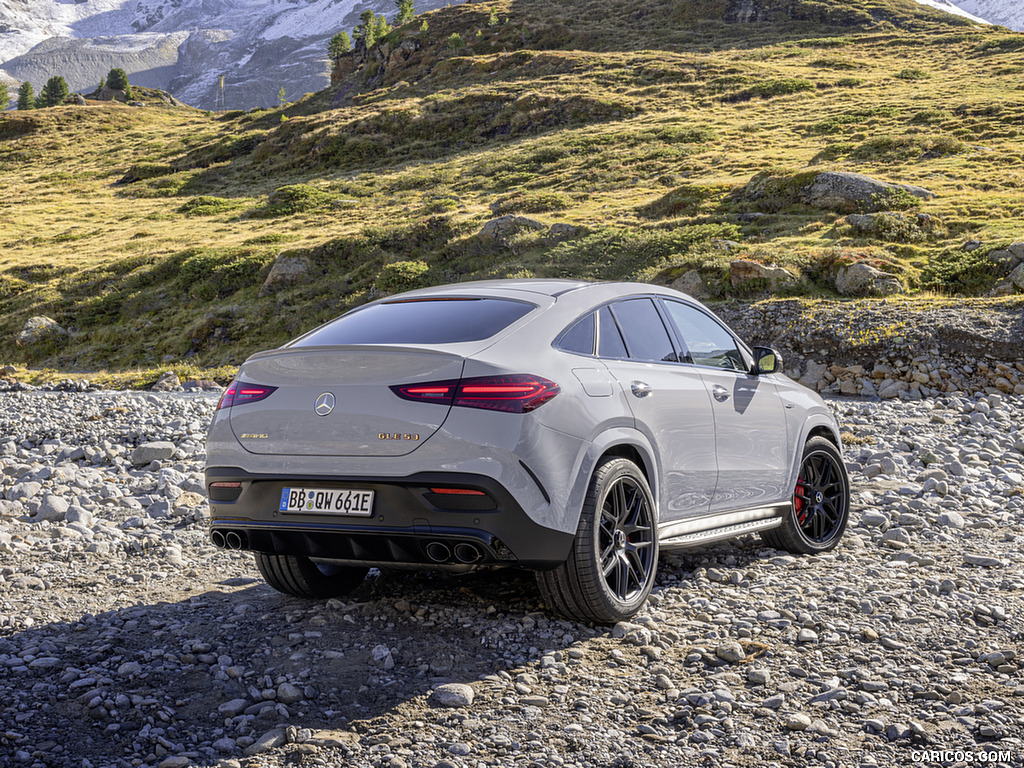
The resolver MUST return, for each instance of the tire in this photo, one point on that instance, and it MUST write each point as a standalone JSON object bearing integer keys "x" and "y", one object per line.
{"x": 821, "y": 503}
{"x": 301, "y": 577}
{"x": 614, "y": 557}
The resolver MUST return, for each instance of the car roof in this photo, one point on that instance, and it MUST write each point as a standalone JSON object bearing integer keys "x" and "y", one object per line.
{"x": 585, "y": 290}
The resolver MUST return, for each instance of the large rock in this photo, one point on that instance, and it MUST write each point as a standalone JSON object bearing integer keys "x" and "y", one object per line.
{"x": 155, "y": 451}
{"x": 742, "y": 271}
{"x": 287, "y": 270}
{"x": 1017, "y": 277}
{"x": 692, "y": 284}
{"x": 38, "y": 328}
{"x": 168, "y": 382}
{"x": 862, "y": 279}
{"x": 500, "y": 229}
{"x": 847, "y": 192}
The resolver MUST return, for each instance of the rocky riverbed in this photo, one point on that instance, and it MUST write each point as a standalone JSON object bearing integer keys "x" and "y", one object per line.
{"x": 127, "y": 640}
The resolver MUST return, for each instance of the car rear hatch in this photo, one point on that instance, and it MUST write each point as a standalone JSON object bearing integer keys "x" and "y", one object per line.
{"x": 336, "y": 401}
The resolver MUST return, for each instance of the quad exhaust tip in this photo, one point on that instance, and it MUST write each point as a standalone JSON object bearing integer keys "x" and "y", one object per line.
{"x": 227, "y": 539}
{"x": 439, "y": 552}
{"x": 467, "y": 553}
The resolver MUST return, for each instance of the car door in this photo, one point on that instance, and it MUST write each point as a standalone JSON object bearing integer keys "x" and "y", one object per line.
{"x": 750, "y": 424}
{"x": 669, "y": 402}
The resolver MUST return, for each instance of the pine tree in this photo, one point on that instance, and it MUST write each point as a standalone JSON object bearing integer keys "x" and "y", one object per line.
{"x": 382, "y": 29}
{"x": 340, "y": 45}
{"x": 54, "y": 92}
{"x": 117, "y": 79}
{"x": 405, "y": 12}
{"x": 5, "y": 97}
{"x": 367, "y": 29}
{"x": 26, "y": 96}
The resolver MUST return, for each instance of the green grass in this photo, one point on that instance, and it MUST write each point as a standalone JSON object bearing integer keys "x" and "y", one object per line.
{"x": 673, "y": 136}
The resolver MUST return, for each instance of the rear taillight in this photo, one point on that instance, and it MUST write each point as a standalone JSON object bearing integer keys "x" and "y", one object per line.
{"x": 516, "y": 393}
{"x": 240, "y": 393}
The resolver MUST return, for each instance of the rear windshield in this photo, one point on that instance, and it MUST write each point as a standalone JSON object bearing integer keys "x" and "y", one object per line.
{"x": 420, "y": 321}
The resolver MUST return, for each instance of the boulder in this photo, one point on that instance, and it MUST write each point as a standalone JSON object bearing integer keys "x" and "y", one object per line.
{"x": 500, "y": 229}
{"x": 1017, "y": 277}
{"x": 287, "y": 270}
{"x": 77, "y": 99}
{"x": 847, "y": 192}
{"x": 38, "y": 328}
{"x": 862, "y": 279}
{"x": 154, "y": 451}
{"x": 692, "y": 284}
{"x": 560, "y": 231}
{"x": 168, "y": 382}
{"x": 742, "y": 271}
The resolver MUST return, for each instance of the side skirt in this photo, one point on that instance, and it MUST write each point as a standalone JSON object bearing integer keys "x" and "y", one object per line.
{"x": 702, "y": 530}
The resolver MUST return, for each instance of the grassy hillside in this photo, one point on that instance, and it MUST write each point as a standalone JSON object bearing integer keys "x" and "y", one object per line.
{"x": 148, "y": 232}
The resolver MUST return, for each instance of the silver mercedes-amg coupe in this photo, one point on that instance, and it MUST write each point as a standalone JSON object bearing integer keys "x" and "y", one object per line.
{"x": 572, "y": 428}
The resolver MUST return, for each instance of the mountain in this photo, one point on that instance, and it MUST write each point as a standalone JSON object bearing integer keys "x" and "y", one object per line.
{"x": 957, "y": 9}
{"x": 183, "y": 46}
{"x": 1009, "y": 13}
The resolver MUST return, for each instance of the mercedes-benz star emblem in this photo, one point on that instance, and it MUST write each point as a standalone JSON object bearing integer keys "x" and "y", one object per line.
{"x": 324, "y": 404}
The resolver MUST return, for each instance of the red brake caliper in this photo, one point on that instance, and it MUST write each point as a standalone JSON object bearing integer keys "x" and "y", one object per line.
{"x": 798, "y": 502}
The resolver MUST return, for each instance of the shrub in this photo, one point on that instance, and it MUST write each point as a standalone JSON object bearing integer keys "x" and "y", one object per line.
{"x": 686, "y": 200}
{"x": 403, "y": 276}
{"x": 294, "y": 198}
{"x": 913, "y": 73}
{"x": 141, "y": 171}
{"x": 895, "y": 200}
{"x": 772, "y": 88}
{"x": 205, "y": 205}
{"x": 531, "y": 202}
{"x": 5, "y": 97}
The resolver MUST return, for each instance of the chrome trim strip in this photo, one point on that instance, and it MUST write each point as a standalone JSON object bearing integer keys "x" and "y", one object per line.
{"x": 712, "y": 522}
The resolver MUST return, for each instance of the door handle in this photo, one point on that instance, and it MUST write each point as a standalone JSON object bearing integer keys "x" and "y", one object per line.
{"x": 721, "y": 393}
{"x": 641, "y": 388}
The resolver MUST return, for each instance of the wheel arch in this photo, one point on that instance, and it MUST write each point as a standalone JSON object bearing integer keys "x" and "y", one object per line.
{"x": 618, "y": 442}
{"x": 818, "y": 425}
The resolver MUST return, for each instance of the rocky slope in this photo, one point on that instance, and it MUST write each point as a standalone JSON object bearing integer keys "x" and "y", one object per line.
{"x": 183, "y": 46}
{"x": 125, "y": 639}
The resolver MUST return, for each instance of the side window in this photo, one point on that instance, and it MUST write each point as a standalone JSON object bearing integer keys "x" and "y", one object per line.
{"x": 579, "y": 338}
{"x": 708, "y": 342}
{"x": 609, "y": 341}
{"x": 643, "y": 331}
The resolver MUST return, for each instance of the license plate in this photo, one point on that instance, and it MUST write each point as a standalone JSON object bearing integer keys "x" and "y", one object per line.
{"x": 331, "y": 501}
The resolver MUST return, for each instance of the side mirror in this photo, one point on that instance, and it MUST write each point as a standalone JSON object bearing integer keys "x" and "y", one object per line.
{"x": 767, "y": 360}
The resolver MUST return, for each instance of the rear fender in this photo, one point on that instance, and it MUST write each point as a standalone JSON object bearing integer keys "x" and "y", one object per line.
{"x": 589, "y": 459}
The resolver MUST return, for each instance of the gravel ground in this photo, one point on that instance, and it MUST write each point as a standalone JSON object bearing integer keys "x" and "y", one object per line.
{"x": 127, "y": 640}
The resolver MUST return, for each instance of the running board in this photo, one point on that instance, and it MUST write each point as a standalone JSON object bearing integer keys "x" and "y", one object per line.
{"x": 704, "y": 530}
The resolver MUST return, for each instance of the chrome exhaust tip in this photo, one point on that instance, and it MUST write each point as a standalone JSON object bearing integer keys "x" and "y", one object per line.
{"x": 467, "y": 553}
{"x": 438, "y": 552}
{"x": 233, "y": 540}
{"x": 218, "y": 539}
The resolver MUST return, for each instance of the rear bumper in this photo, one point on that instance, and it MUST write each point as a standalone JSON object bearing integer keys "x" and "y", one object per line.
{"x": 410, "y": 525}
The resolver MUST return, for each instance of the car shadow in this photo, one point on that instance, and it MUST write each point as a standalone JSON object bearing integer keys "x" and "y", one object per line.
{"x": 238, "y": 659}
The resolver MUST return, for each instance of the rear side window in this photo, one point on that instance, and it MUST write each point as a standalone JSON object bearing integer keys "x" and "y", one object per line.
{"x": 644, "y": 333}
{"x": 579, "y": 338}
{"x": 420, "y": 321}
